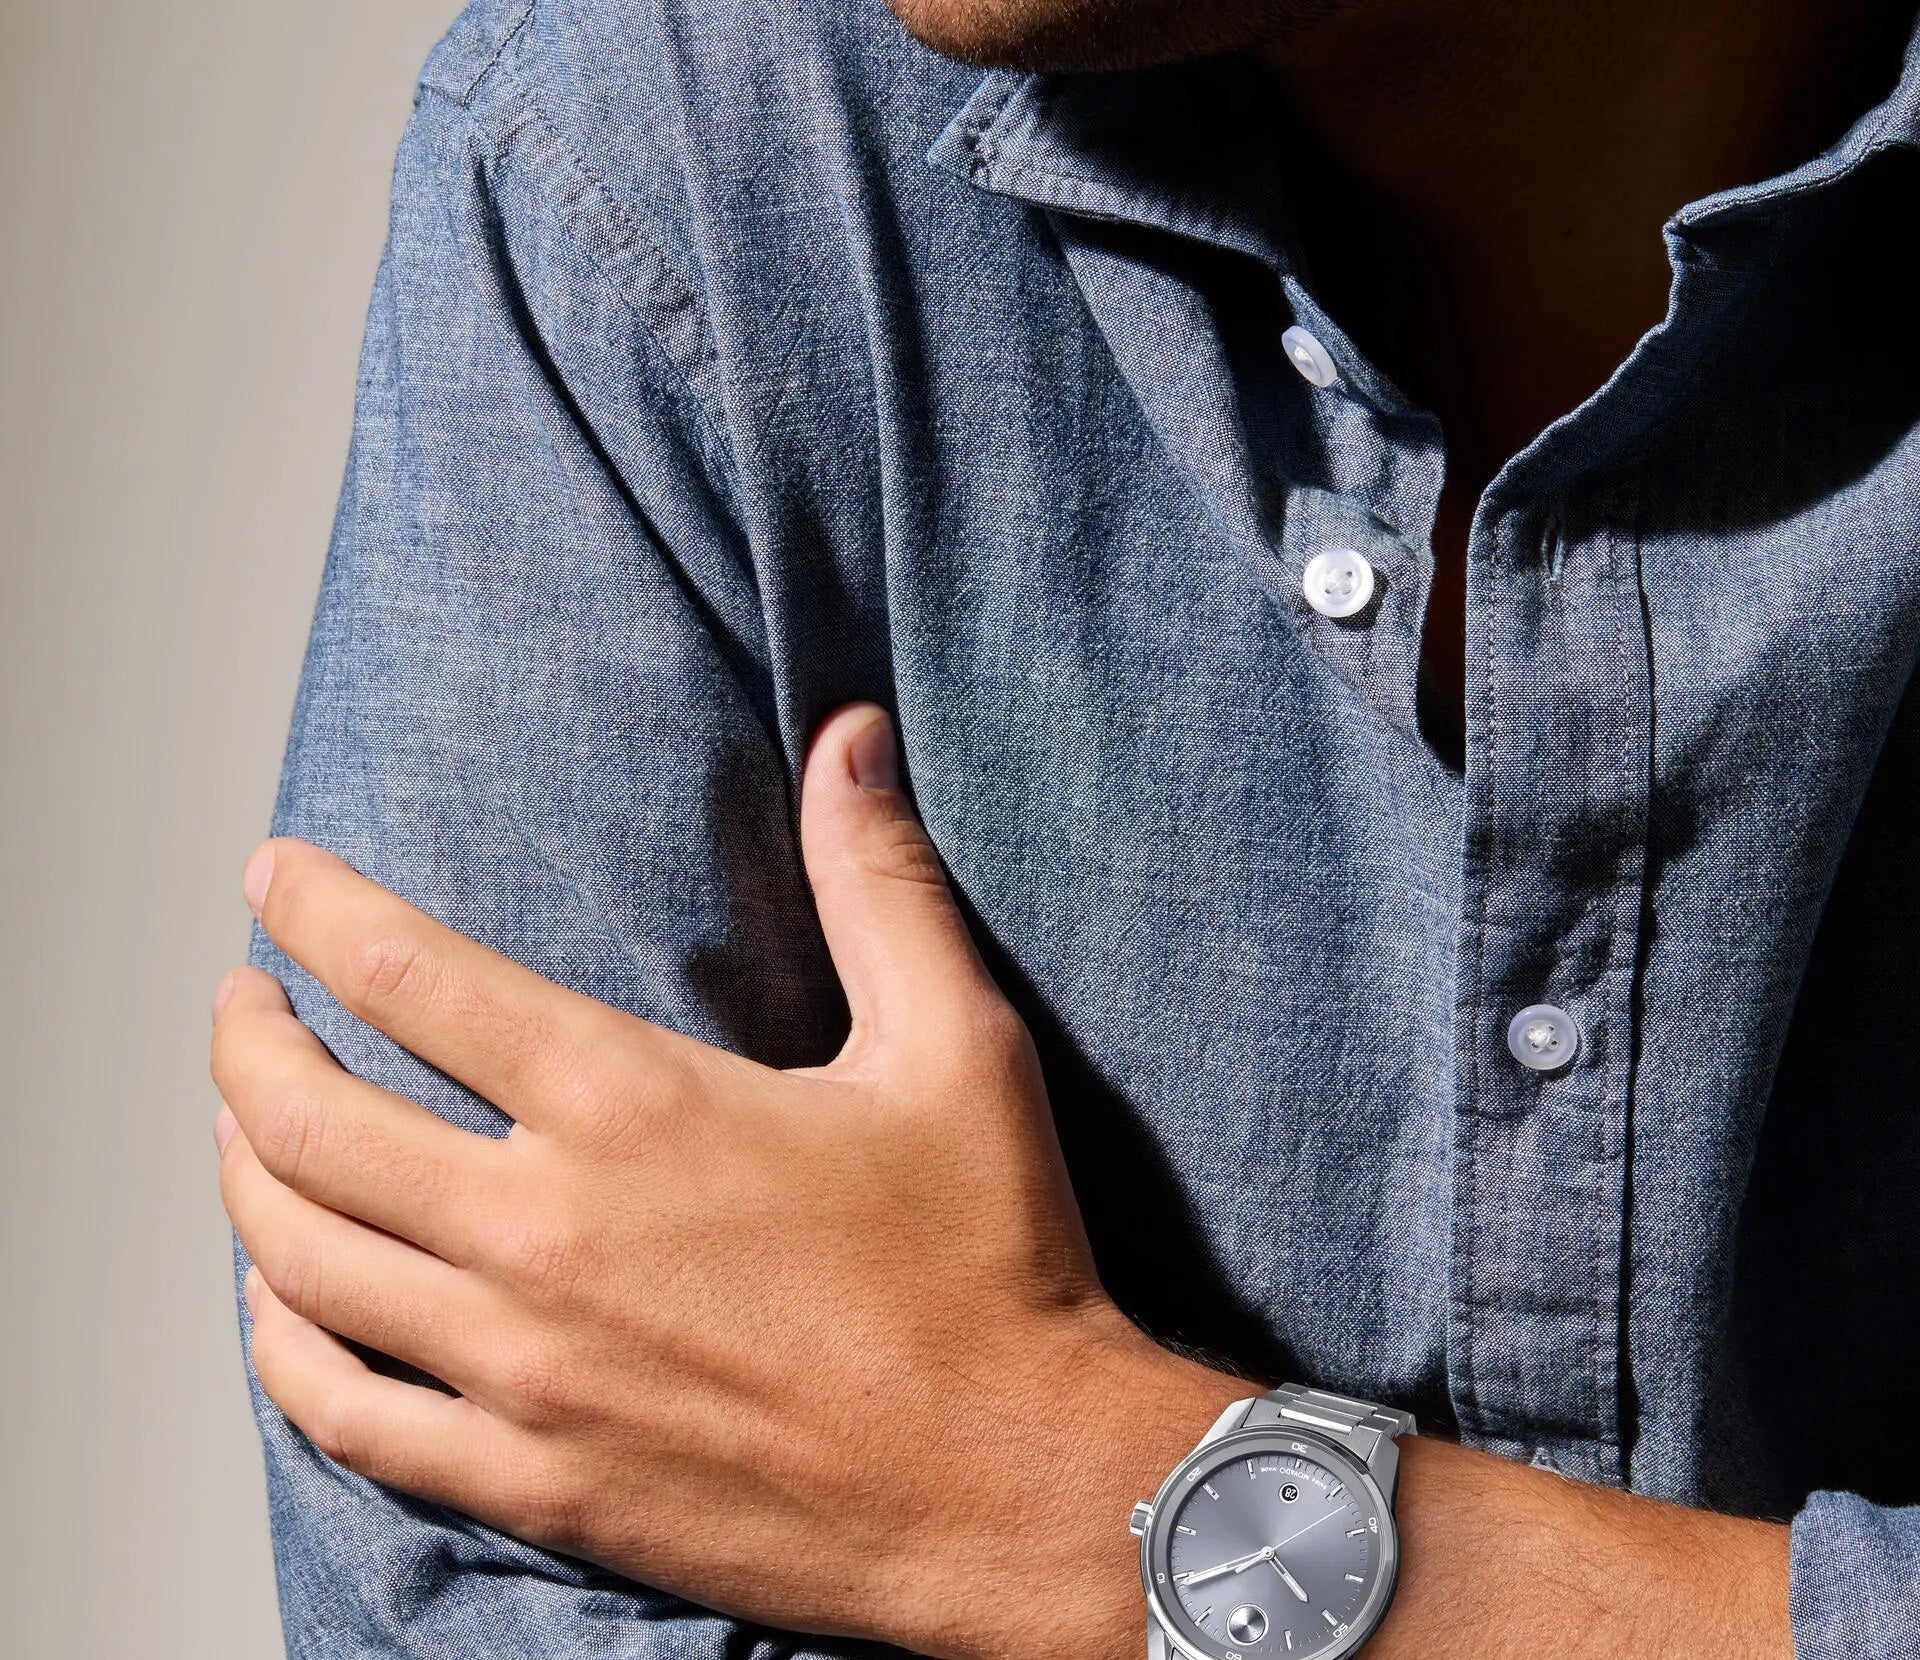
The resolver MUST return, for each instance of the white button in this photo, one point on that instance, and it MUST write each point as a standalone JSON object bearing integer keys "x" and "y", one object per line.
{"x": 1542, "y": 1037}
{"x": 1337, "y": 582}
{"x": 1308, "y": 356}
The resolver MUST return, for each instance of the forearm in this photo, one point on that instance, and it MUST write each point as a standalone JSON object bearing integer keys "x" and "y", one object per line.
{"x": 1529, "y": 1562}
{"x": 1535, "y": 1564}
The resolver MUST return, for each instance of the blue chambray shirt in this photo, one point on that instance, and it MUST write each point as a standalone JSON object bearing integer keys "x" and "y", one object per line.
{"x": 727, "y": 362}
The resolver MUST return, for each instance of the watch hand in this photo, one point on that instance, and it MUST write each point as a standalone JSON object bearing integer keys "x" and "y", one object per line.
{"x": 1293, "y": 1584}
{"x": 1238, "y": 1565}
{"x": 1307, "y": 1529}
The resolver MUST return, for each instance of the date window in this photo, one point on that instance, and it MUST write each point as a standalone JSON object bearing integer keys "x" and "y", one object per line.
{"x": 1289, "y": 1493}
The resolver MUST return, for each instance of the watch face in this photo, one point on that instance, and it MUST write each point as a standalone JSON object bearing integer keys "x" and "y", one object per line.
{"x": 1271, "y": 1544}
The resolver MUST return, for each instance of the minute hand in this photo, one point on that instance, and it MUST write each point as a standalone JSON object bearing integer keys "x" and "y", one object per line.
{"x": 1201, "y": 1575}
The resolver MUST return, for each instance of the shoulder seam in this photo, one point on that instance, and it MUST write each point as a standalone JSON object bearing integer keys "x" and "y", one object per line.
{"x": 472, "y": 45}
{"x": 604, "y": 233}
{"x": 499, "y": 52}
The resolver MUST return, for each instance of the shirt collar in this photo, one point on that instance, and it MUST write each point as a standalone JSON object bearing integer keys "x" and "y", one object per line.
{"x": 1180, "y": 146}
{"x": 1167, "y": 146}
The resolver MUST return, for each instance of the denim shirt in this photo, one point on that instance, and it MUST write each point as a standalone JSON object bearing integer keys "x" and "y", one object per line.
{"x": 726, "y": 363}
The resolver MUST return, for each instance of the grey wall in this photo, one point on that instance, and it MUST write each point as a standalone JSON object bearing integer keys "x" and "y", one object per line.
{"x": 192, "y": 199}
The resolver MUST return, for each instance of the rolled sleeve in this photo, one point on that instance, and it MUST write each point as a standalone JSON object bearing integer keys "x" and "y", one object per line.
{"x": 1855, "y": 1580}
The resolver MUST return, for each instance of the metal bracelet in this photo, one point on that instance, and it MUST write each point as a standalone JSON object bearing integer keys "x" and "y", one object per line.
{"x": 1363, "y": 1425}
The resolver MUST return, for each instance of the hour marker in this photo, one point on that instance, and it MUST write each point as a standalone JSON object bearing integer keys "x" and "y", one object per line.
{"x": 1329, "y": 1619}
{"x": 1181, "y": 1527}
{"x": 1289, "y": 1639}
{"x": 1207, "y": 1488}
{"x": 1356, "y": 1579}
{"x": 1338, "y": 1491}
{"x": 1252, "y": 1473}
{"x": 1201, "y": 1619}
{"x": 1355, "y": 1532}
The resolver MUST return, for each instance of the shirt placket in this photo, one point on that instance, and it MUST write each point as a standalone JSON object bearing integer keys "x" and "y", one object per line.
{"x": 1560, "y": 725}
{"x": 1553, "y": 840}
{"x": 1560, "y": 719}
{"x": 1559, "y": 736}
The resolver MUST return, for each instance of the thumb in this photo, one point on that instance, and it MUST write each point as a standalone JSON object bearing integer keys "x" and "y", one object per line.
{"x": 904, "y": 956}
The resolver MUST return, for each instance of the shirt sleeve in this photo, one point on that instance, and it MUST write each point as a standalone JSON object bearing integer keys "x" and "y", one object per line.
{"x": 535, "y": 702}
{"x": 1855, "y": 1570}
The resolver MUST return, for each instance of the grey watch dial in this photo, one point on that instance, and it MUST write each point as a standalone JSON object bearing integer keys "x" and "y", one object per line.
{"x": 1268, "y": 1545}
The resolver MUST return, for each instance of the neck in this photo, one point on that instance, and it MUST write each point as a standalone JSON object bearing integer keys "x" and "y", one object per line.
{"x": 1482, "y": 183}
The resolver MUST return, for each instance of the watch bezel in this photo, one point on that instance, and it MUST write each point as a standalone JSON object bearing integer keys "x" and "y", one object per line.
{"x": 1156, "y": 1542}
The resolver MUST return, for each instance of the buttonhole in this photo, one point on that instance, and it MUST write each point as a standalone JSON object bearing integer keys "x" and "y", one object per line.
{"x": 1555, "y": 550}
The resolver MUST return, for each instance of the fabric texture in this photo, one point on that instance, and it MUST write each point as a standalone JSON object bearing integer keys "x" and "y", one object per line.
{"x": 726, "y": 363}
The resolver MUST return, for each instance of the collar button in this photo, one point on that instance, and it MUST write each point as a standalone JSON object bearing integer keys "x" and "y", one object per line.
{"x": 1338, "y": 582}
{"x": 1308, "y": 356}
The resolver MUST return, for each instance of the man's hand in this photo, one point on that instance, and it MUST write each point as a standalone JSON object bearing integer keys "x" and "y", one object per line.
{"x": 823, "y": 1347}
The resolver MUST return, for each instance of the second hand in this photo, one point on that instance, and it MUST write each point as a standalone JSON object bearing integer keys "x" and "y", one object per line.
{"x": 1307, "y": 1529}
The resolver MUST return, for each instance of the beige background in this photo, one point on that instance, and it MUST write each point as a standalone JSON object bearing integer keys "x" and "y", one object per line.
{"x": 192, "y": 199}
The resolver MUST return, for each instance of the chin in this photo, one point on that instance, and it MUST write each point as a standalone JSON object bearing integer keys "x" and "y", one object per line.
{"x": 1088, "y": 34}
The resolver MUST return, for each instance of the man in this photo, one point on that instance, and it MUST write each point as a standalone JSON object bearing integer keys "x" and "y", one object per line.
{"x": 1389, "y": 530}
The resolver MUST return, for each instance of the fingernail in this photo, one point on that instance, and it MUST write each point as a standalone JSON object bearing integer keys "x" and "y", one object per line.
{"x": 250, "y": 1288}
{"x": 254, "y": 879}
{"x": 873, "y": 756}
{"x": 223, "y": 991}
{"x": 223, "y": 1128}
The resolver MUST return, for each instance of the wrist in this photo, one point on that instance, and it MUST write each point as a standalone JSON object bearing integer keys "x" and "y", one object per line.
{"x": 1096, "y": 1430}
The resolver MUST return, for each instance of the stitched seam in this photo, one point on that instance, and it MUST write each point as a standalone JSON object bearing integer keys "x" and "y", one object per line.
{"x": 641, "y": 244}
{"x": 506, "y": 40}
{"x": 633, "y": 242}
{"x": 1634, "y": 924}
{"x": 1197, "y": 227}
{"x": 1466, "y": 1142}
{"x": 1605, "y": 1239}
{"x": 1786, "y": 192}
{"x": 986, "y": 133}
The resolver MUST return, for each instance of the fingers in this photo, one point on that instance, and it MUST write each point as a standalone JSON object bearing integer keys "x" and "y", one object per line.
{"x": 343, "y": 1142}
{"x": 530, "y": 1047}
{"x": 405, "y": 1435}
{"x": 901, "y": 947}
{"x": 352, "y": 1279}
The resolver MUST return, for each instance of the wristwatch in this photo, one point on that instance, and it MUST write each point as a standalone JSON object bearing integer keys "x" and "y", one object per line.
{"x": 1275, "y": 1535}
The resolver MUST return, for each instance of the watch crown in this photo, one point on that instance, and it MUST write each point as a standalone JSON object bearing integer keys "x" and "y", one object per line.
{"x": 1142, "y": 1514}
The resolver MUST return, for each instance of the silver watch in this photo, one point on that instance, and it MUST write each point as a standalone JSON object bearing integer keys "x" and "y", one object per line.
{"x": 1275, "y": 1535}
